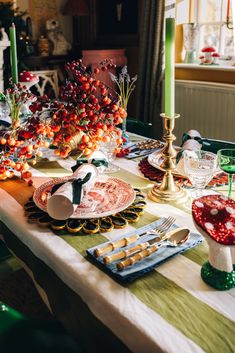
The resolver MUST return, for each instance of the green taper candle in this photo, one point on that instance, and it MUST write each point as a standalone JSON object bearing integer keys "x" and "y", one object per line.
{"x": 13, "y": 50}
{"x": 170, "y": 68}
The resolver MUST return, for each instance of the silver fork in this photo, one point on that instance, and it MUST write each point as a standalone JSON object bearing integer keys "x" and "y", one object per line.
{"x": 162, "y": 229}
{"x": 128, "y": 240}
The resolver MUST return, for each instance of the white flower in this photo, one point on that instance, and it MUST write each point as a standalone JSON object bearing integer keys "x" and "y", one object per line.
{"x": 125, "y": 85}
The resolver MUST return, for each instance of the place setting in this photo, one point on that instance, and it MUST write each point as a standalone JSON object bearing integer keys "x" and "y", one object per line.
{"x": 85, "y": 203}
{"x": 190, "y": 159}
{"x": 142, "y": 250}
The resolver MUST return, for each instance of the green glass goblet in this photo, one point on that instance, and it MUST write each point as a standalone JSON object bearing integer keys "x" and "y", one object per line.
{"x": 226, "y": 160}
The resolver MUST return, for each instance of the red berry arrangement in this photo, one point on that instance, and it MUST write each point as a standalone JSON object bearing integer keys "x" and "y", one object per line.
{"x": 91, "y": 111}
{"x": 85, "y": 115}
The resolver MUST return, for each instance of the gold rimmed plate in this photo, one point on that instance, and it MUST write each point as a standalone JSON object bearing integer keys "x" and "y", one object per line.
{"x": 155, "y": 159}
{"x": 108, "y": 196}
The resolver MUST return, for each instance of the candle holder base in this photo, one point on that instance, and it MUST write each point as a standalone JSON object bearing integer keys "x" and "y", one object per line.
{"x": 177, "y": 196}
{"x": 168, "y": 191}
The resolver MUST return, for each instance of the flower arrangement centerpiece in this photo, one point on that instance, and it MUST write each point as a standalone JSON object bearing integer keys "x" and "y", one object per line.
{"x": 86, "y": 113}
{"x": 20, "y": 139}
{"x": 125, "y": 85}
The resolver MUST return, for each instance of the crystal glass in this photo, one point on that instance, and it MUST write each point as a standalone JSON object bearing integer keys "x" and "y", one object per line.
{"x": 5, "y": 112}
{"x": 108, "y": 148}
{"x": 226, "y": 160}
{"x": 125, "y": 135}
{"x": 200, "y": 167}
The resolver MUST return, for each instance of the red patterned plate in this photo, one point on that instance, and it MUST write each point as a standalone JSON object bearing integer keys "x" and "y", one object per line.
{"x": 108, "y": 196}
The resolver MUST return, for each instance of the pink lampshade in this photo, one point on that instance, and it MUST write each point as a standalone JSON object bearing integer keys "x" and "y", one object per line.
{"x": 76, "y": 8}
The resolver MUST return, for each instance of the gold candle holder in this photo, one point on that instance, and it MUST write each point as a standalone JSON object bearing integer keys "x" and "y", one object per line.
{"x": 168, "y": 191}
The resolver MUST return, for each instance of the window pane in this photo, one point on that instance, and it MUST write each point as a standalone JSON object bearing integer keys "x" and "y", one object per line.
{"x": 210, "y": 35}
{"x": 228, "y": 42}
{"x": 210, "y": 10}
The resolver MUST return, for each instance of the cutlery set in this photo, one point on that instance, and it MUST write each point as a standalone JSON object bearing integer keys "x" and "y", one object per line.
{"x": 143, "y": 148}
{"x": 133, "y": 254}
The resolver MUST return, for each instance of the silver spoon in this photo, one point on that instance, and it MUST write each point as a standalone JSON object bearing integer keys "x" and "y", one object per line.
{"x": 176, "y": 237}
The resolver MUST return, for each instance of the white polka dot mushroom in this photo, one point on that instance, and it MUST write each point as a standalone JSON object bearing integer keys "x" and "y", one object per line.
{"x": 28, "y": 79}
{"x": 214, "y": 217}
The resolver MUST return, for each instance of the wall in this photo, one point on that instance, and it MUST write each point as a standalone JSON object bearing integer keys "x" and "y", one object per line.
{"x": 65, "y": 21}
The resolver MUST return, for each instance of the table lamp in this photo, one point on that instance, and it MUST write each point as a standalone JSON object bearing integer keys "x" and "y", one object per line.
{"x": 76, "y": 8}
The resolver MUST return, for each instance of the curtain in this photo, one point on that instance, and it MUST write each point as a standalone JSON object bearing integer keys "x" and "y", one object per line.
{"x": 150, "y": 73}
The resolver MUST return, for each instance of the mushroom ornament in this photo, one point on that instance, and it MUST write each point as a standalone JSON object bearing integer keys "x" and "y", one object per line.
{"x": 207, "y": 52}
{"x": 215, "y": 58}
{"x": 214, "y": 217}
{"x": 202, "y": 58}
{"x": 28, "y": 79}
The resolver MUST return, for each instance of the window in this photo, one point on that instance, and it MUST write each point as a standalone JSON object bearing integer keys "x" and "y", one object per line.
{"x": 211, "y": 16}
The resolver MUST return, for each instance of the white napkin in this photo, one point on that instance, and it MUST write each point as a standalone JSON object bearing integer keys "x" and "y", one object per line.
{"x": 192, "y": 144}
{"x": 60, "y": 205}
{"x": 189, "y": 145}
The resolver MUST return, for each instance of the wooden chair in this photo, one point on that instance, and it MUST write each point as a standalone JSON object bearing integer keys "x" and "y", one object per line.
{"x": 48, "y": 83}
{"x": 216, "y": 145}
{"x": 139, "y": 127}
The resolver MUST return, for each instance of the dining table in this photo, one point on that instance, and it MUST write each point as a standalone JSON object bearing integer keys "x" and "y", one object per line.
{"x": 169, "y": 309}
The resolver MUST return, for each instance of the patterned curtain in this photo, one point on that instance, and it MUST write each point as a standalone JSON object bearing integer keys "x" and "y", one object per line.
{"x": 150, "y": 73}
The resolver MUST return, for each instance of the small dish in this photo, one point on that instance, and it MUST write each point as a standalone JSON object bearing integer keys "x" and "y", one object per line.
{"x": 106, "y": 225}
{"x": 58, "y": 224}
{"x": 130, "y": 216}
{"x": 119, "y": 222}
{"x": 91, "y": 227}
{"x": 74, "y": 225}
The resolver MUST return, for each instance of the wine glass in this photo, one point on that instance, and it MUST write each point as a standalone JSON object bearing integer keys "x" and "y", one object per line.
{"x": 226, "y": 159}
{"x": 200, "y": 167}
{"x": 108, "y": 148}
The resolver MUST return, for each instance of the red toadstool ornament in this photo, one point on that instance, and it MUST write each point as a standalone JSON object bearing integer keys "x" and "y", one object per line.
{"x": 28, "y": 79}
{"x": 208, "y": 51}
{"x": 215, "y": 58}
{"x": 214, "y": 217}
{"x": 202, "y": 58}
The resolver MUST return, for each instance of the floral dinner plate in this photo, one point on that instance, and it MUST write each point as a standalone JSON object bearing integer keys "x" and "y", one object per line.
{"x": 108, "y": 196}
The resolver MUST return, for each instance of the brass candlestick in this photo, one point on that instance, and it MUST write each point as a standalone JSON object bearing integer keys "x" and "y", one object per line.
{"x": 168, "y": 191}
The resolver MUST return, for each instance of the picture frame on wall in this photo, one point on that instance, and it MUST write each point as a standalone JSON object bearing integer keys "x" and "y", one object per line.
{"x": 117, "y": 21}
